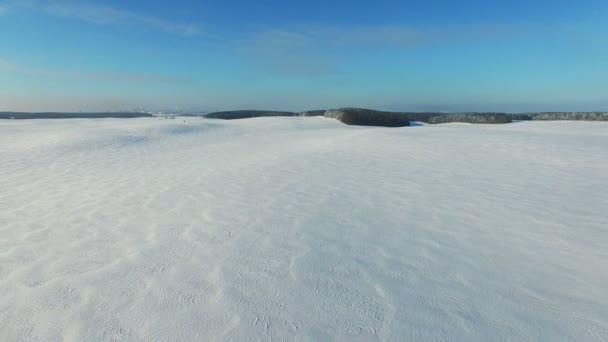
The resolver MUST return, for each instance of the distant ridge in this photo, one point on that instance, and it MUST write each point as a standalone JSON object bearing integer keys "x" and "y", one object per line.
{"x": 584, "y": 116}
{"x": 246, "y": 114}
{"x": 64, "y": 115}
{"x": 350, "y": 116}
{"x": 370, "y": 117}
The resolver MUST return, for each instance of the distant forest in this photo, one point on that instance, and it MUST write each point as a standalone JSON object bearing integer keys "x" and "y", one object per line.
{"x": 350, "y": 116}
{"x": 368, "y": 117}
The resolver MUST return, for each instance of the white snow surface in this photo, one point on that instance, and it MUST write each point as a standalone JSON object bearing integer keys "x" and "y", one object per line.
{"x": 302, "y": 229}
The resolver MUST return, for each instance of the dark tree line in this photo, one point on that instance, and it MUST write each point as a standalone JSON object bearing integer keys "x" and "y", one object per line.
{"x": 585, "y": 116}
{"x": 245, "y": 114}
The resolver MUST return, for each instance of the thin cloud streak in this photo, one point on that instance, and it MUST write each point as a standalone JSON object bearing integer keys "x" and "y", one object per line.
{"x": 87, "y": 75}
{"x": 108, "y": 15}
{"x": 317, "y": 51}
{"x": 289, "y": 52}
{"x": 320, "y": 49}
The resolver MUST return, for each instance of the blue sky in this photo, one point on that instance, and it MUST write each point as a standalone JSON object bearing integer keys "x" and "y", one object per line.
{"x": 294, "y": 55}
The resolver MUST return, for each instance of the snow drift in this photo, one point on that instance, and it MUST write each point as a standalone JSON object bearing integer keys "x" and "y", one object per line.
{"x": 302, "y": 229}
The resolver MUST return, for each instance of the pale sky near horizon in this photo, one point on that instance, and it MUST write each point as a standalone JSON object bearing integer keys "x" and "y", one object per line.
{"x": 441, "y": 55}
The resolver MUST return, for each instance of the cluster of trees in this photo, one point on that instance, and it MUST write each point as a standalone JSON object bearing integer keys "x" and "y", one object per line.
{"x": 313, "y": 113}
{"x": 586, "y": 116}
{"x": 368, "y": 117}
{"x": 350, "y": 116}
{"x": 57, "y": 115}
{"x": 477, "y": 118}
{"x": 244, "y": 114}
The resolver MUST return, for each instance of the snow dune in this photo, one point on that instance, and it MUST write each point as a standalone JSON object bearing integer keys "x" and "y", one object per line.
{"x": 302, "y": 229}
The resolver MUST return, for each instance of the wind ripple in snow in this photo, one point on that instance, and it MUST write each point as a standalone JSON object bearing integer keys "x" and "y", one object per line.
{"x": 302, "y": 229}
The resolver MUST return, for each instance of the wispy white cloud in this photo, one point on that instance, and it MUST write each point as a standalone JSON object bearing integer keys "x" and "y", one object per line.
{"x": 316, "y": 50}
{"x": 86, "y": 75}
{"x": 108, "y": 15}
{"x": 320, "y": 49}
{"x": 289, "y": 52}
{"x": 385, "y": 36}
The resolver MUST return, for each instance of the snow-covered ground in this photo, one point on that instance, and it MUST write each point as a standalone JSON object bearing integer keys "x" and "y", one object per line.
{"x": 302, "y": 229}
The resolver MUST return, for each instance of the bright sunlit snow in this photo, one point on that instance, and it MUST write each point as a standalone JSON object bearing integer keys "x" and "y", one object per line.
{"x": 302, "y": 229}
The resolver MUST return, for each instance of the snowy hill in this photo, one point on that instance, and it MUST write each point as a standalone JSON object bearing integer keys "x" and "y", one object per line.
{"x": 302, "y": 229}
